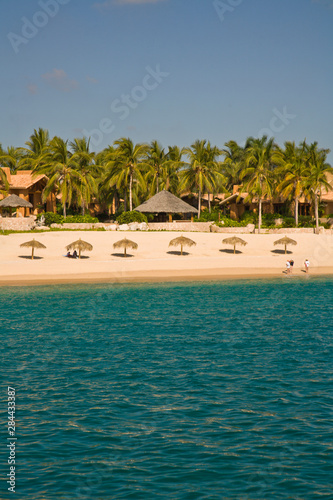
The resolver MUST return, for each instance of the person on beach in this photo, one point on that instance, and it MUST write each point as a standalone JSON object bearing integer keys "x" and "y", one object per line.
{"x": 291, "y": 262}
{"x": 306, "y": 264}
{"x": 75, "y": 256}
{"x": 288, "y": 267}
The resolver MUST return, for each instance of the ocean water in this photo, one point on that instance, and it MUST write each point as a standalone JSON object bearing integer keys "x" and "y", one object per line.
{"x": 212, "y": 390}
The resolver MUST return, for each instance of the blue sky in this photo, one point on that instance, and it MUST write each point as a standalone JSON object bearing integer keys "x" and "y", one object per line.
{"x": 171, "y": 70}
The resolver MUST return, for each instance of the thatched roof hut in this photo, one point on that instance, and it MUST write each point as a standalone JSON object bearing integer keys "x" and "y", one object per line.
{"x": 234, "y": 240}
{"x": 285, "y": 241}
{"x": 125, "y": 243}
{"x": 80, "y": 245}
{"x": 166, "y": 203}
{"x": 33, "y": 244}
{"x": 182, "y": 241}
{"x": 14, "y": 201}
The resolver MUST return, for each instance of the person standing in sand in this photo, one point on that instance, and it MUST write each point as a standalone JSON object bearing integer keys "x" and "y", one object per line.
{"x": 306, "y": 264}
{"x": 291, "y": 262}
{"x": 288, "y": 267}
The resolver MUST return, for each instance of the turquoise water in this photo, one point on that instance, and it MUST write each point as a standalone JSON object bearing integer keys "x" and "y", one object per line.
{"x": 170, "y": 391}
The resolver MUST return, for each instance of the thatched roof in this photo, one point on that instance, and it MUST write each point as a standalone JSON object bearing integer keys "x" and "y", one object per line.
{"x": 183, "y": 241}
{"x": 165, "y": 202}
{"x": 125, "y": 243}
{"x": 234, "y": 240}
{"x": 33, "y": 244}
{"x": 285, "y": 241}
{"x": 80, "y": 245}
{"x": 14, "y": 201}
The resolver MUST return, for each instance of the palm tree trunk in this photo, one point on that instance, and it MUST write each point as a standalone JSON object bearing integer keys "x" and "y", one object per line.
{"x": 199, "y": 203}
{"x": 259, "y": 215}
{"x": 125, "y": 201}
{"x": 130, "y": 192}
{"x": 316, "y": 212}
{"x": 296, "y": 211}
{"x": 157, "y": 182}
{"x": 64, "y": 210}
{"x": 209, "y": 203}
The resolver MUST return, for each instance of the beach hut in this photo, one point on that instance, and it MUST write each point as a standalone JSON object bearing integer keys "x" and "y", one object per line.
{"x": 33, "y": 244}
{"x": 14, "y": 201}
{"x": 234, "y": 240}
{"x": 182, "y": 241}
{"x": 285, "y": 241}
{"x": 165, "y": 203}
{"x": 80, "y": 245}
{"x": 125, "y": 243}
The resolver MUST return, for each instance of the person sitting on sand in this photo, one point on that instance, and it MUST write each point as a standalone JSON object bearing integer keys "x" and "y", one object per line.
{"x": 68, "y": 254}
{"x": 75, "y": 256}
{"x": 306, "y": 264}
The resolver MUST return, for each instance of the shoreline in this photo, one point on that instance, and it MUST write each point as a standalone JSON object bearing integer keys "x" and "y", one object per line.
{"x": 161, "y": 277}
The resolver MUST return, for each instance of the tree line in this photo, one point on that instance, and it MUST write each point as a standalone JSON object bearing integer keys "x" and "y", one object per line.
{"x": 135, "y": 172}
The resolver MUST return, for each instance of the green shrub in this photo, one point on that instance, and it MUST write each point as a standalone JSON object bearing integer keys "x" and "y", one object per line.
{"x": 51, "y": 218}
{"x": 205, "y": 216}
{"x": 227, "y": 222}
{"x": 81, "y": 219}
{"x": 133, "y": 216}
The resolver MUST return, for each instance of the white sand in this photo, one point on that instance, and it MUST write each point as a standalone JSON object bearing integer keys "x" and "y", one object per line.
{"x": 151, "y": 261}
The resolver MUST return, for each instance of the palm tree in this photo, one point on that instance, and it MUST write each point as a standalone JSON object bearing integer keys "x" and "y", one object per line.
{"x": 317, "y": 179}
{"x": 88, "y": 169}
{"x": 232, "y": 164}
{"x": 11, "y": 158}
{"x": 62, "y": 169}
{"x": 4, "y": 185}
{"x": 156, "y": 160}
{"x": 261, "y": 158}
{"x": 37, "y": 152}
{"x": 213, "y": 152}
{"x": 126, "y": 166}
{"x": 201, "y": 171}
{"x": 294, "y": 173}
{"x": 172, "y": 167}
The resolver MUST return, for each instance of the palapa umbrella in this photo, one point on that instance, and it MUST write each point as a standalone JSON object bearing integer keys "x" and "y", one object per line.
{"x": 33, "y": 244}
{"x": 183, "y": 242}
{"x": 125, "y": 243}
{"x": 14, "y": 201}
{"x": 80, "y": 245}
{"x": 285, "y": 241}
{"x": 234, "y": 240}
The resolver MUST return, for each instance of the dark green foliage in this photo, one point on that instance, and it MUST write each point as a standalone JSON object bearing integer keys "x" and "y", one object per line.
{"x": 207, "y": 216}
{"x": 133, "y": 216}
{"x": 51, "y": 218}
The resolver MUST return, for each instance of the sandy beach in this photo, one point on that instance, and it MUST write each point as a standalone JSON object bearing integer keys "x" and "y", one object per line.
{"x": 154, "y": 260}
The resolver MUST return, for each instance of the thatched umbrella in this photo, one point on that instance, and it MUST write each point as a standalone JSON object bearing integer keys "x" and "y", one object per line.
{"x": 234, "y": 240}
{"x": 285, "y": 241}
{"x": 80, "y": 245}
{"x": 183, "y": 242}
{"x": 33, "y": 244}
{"x": 14, "y": 201}
{"x": 125, "y": 243}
